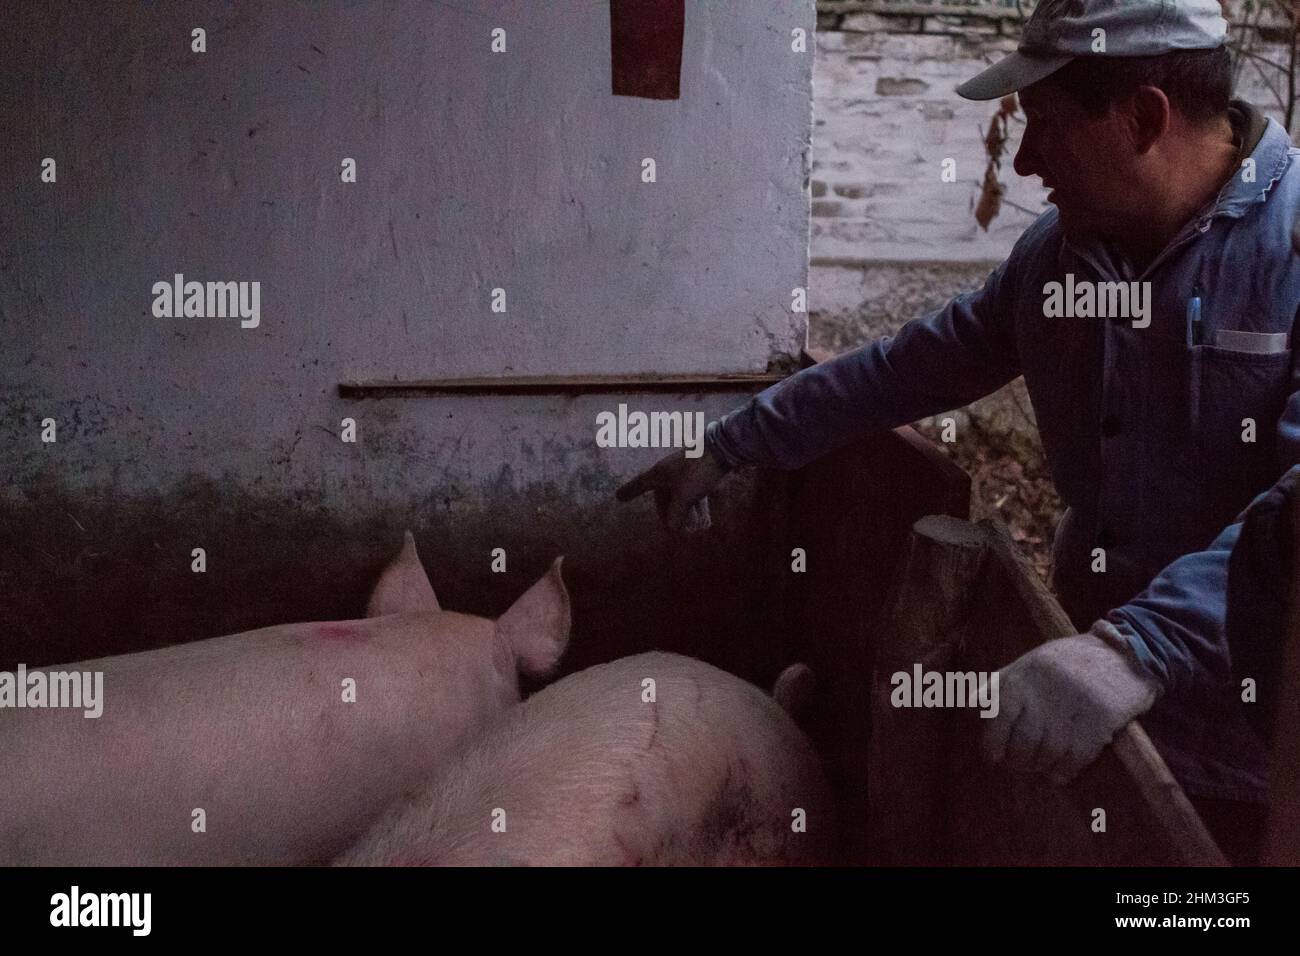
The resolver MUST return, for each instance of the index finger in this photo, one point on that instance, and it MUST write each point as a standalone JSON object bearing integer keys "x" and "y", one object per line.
{"x": 636, "y": 487}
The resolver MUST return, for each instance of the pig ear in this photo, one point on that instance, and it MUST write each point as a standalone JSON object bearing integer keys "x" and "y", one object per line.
{"x": 794, "y": 688}
{"x": 536, "y": 626}
{"x": 403, "y": 586}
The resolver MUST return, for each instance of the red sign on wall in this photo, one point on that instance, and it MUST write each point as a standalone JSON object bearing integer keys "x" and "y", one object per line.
{"x": 646, "y": 47}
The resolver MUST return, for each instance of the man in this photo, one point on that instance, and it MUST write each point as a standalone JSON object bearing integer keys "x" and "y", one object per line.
{"x": 1160, "y": 423}
{"x": 1260, "y": 572}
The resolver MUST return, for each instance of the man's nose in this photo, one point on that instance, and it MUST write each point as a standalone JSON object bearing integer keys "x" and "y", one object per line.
{"x": 1025, "y": 163}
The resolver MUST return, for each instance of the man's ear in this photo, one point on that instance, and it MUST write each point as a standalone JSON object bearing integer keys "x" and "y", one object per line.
{"x": 1148, "y": 114}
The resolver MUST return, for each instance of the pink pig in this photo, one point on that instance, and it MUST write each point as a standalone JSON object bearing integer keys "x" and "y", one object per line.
{"x": 591, "y": 772}
{"x": 275, "y": 746}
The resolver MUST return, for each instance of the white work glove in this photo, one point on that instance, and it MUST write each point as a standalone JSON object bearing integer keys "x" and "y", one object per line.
{"x": 1061, "y": 703}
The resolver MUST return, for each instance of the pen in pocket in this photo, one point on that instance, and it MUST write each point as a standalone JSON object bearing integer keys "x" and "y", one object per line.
{"x": 1194, "y": 318}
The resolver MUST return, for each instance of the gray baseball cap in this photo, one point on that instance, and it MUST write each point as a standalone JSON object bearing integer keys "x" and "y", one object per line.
{"x": 1061, "y": 30}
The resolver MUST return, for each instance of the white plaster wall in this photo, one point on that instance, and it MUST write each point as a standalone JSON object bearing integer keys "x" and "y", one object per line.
{"x": 476, "y": 170}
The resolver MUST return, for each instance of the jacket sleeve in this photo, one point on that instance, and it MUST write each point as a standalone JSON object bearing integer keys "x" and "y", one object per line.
{"x": 1178, "y": 627}
{"x": 950, "y": 358}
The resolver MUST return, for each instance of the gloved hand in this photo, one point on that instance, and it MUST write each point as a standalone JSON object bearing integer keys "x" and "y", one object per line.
{"x": 1061, "y": 703}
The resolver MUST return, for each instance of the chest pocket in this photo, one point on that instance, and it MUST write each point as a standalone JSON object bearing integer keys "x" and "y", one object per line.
{"x": 1238, "y": 397}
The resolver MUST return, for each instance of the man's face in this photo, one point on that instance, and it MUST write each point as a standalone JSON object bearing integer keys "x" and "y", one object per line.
{"x": 1085, "y": 160}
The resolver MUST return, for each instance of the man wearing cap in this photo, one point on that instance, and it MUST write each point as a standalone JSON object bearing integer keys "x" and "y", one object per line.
{"x": 1158, "y": 432}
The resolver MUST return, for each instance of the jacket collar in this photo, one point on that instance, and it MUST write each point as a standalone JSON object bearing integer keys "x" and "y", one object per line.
{"x": 1267, "y": 143}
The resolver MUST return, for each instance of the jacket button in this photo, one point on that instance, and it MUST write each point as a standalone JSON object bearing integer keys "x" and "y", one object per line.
{"x": 1110, "y": 426}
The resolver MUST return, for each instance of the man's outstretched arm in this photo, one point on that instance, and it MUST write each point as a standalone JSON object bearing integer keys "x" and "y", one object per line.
{"x": 946, "y": 360}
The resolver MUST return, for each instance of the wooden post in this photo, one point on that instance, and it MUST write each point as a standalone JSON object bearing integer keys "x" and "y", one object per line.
{"x": 852, "y": 512}
{"x": 908, "y": 753}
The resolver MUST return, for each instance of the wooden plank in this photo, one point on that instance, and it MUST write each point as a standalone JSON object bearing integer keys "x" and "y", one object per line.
{"x": 852, "y": 512}
{"x": 1149, "y": 820}
{"x": 1165, "y": 798}
{"x": 989, "y": 815}
{"x": 836, "y": 608}
{"x": 561, "y": 384}
{"x": 908, "y": 757}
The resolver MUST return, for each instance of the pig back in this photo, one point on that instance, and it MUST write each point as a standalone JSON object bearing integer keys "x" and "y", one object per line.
{"x": 651, "y": 759}
{"x": 275, "y": 746}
